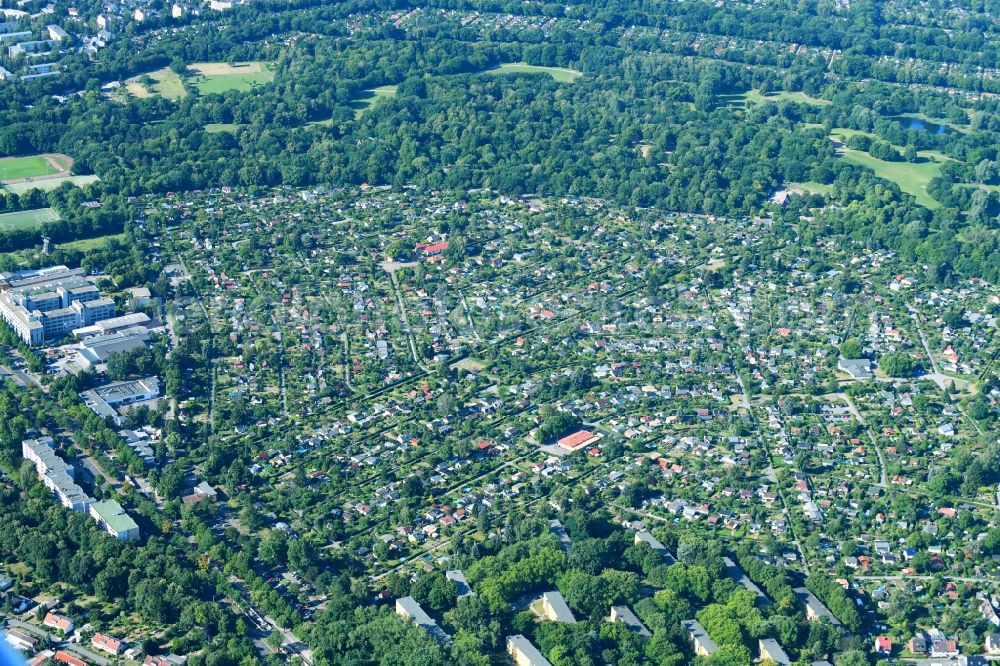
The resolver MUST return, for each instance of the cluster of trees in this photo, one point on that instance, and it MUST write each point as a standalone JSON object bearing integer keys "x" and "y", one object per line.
{"x": 836, "y": 599}
{"x": 897, "y": 364}
{"x": 640, "y": 128}
{"x": 556, "y": 425}
{"x": 156, "y": 579}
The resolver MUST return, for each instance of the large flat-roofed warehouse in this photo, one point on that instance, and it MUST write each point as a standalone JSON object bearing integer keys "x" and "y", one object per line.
{"x": 96, "y": 350}
{"x": 113, "y": 325}
{"x": 48, "y": 303}
{"x": 104, "y": 400}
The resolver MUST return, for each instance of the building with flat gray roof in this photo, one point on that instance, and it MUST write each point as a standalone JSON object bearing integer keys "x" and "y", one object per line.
{"x": 96, "y": 350}
{"x": 104, "y": 400}
{"x": 625, "y": 615}
{"x": 770, "y": 649}
{"x": 737, "y": 574}
{"x": 560, "y": 533}
{"x": 113, "y": 325}
{"x": 14, "y": 36}
{"x": 461, "y": 584}
{"x": 642, "y": 536}
{"x": 815, "y": 609}
{"x": 524, "y": 653}
{"x": 55, "y": 473}
{"x": 58, "y": 477}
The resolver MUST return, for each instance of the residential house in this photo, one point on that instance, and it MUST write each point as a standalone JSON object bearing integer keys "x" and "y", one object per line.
{"x": 107, "y": 644}
{"x": 58, "y": 622}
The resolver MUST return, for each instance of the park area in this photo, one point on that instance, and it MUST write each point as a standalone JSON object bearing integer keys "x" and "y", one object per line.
{"x": 26, "y": 219}
{"x": 17, "y": 169}
{"x": 207, "y": 78}
{"x": 911, "y": 177}
{"x": 560, "y": 74}
{"x": 217, "y": 77}
{"x": 372, "y": 96}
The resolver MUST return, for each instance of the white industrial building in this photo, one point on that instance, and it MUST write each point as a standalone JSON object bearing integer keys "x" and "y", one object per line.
{"x": 47, "y": 304}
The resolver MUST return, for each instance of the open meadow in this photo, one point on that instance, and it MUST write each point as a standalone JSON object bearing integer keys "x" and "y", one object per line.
{"x": 560, "y": 74}
{"x": 372, "y": 96}
{"x": 218, "y": 77}
{"x": 207, "y": 78}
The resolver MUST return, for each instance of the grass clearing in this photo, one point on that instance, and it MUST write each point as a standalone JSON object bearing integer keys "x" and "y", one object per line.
{"x": 911, "y": 178}
{"x": 207, "y": 77}
{"x": 31, "y": 166}
{"x": 560, "y": 74}
{"x": 809, "y": 187}
{"x": 50, "y": 184}
{"x": 165, "y": 83}
{"x": 218, "y": 77}
{"x": 217, "y": 128}
{"x": 755, "y": 97}
{"x": 85, "y": 244}
{"x": 27, "y": 219}
{"x": 362, "y": 104}
{"x": 743, "y": 100}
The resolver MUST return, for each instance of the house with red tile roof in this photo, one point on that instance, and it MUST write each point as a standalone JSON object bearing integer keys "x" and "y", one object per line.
{"x": 58, "y": 622}
{"x": 67, "y": 658}
{"x": 107, "y": 643}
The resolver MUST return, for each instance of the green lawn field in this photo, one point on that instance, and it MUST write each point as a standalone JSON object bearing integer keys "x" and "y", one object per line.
{"x": 912, "y": 178}
{"x": 166, "y": 83}
{"x": 85, "y": 244}
{"x": 207, "y": 77}
{"x": 215, "y": 77}
{"x": 216, "y": 128}
{"x": 27, "y": 219}
{"x": 32, "y": 166}
{"x": 754, "y": 97}
{"x": 560, "y": 74}
{"x": 810, "y": 186}
{"x": 744, "y": 99}
{"x": 362, "y": 104}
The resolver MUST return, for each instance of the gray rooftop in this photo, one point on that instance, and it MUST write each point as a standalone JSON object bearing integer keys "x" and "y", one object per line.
{"x": 461, "y": 584}
{"x": 736, "y": 573}
{"x": 527, "y": 650}
{"x": 699, "y": 635}
{"x": 560, "y": 609}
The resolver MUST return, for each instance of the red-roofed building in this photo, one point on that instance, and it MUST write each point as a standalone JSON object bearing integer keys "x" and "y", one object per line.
{"x": 883, "y": 645}
{"x": 67, "y": 658}
{"x": 433, "y": 248}
{"x": 58, "y": 622}
{"x": 106, "y": 643}
{"x": 578, "y": 440}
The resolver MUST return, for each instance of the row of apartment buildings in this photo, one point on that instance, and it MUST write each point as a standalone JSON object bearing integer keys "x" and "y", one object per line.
{"x": 59, "y": 477}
